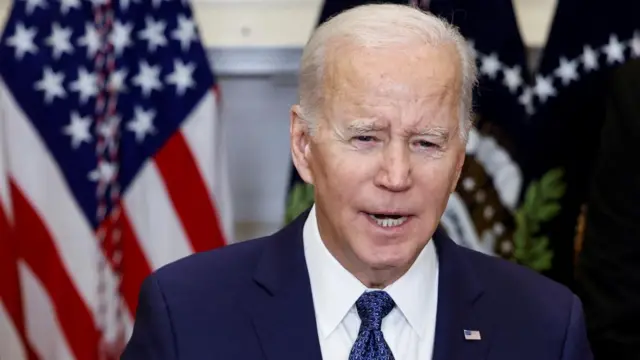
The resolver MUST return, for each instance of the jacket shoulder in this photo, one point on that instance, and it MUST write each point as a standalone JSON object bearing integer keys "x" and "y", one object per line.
{"x": 521, "y": 290}
{"x": 220, "y": 268}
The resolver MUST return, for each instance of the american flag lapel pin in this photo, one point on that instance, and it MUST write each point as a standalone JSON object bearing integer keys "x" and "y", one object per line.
{"x": 472, "y": 335}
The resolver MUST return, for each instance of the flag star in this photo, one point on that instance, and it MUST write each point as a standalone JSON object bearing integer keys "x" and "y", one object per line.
{"x": 90, "y": 39}
{"x": 513, "y": 78}
{"x": 142, "y": 124}
{"x": 182, "y": 76}
{"x": 66, "y": 5}
{"x": 78, "y": 129}
{"x": 185, "y": 32}
{"x": 121, "y": 36}
{"x": 51, "y": 84}
{"x": 153, "y": 33}
{"x": 635, "y": 45}
{"x": 567, "y": 71}
{"x": 86, "y": 85}
{"x": 59, "y": 40}
{"x": 614, "y": 50}
{"x": 589, "y": 59}
{"x": 124, "y": 4}
{"x": 157, "y": 3}
{"x": 544, "y": 88}
{"x": 117, "y": 80}
{"x": 108, "y": 129}
{"x": 490, "y": 65}
{"x": 22, "y": 40}
{"x": 147, "y": 78}
{"x": 104, "y": 173}
{"x": 33, "y": 4}
{"x": 526, "y": 99}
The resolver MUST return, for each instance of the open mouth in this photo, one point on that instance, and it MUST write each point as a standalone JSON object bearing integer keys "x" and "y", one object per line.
{"x": 388, "y": 220}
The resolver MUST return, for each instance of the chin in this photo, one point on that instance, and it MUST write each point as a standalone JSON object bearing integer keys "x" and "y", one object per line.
{"x": 386, "y": 256}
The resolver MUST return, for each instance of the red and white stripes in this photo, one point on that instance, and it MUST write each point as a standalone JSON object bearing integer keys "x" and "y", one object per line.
{"x": 50, "y": 307}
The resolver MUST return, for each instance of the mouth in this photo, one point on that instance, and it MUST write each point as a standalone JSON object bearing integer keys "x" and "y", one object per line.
{"x": 388, "y": 220}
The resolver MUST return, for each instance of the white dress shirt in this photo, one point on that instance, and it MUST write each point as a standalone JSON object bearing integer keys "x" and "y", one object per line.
{"x": 409, "y": 328}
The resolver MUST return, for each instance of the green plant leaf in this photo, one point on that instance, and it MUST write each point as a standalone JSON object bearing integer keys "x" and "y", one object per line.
{"x": 531, "y": 197}
{"x": 541, "y": 204}
{"x": 552, "y": 178}
{"x": 547, "y": 211}
{"x": 301, "y": 197}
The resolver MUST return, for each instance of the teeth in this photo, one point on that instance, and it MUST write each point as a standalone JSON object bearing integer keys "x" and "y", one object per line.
{"x": 388, "y": 222}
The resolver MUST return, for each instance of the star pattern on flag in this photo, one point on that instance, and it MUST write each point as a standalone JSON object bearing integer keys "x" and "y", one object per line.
{"x": 78, "y": 129}
{"x": 59, "y": 40}
{"x": 568, "y": 71}
{"x": 51, "y": 85}
{"x": 67, "y": 5}
{"x": 22, "y": 41}
{"x": 160, "y": 73}
{"x": 153, "y": 33}
{"x": 91, "y": 40}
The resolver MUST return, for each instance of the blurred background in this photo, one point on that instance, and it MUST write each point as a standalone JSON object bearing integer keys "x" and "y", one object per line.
{"x": 254, "y": 46}
{"x": 137, "y": 132}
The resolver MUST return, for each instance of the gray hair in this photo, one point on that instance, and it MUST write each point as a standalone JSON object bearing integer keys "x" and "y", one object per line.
{"x": 377, "y": 25}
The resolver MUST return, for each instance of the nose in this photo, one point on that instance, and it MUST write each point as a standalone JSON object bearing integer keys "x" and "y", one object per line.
{"x": 395, "y": 170}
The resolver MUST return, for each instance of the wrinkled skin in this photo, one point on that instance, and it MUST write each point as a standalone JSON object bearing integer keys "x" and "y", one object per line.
{"x": 387, "y": 142}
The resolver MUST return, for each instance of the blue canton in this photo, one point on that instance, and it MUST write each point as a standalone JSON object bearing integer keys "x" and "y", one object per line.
{"x": 372, "y": 307}
{"x": 47, "y": 55}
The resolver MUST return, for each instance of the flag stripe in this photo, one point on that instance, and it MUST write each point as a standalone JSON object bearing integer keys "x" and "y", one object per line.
{"x": 11, "y": 344}
{"x": 189, "y": 194}
{"x": 11, "y": 320}
{"x": 154, "y": 219}
{"x": 210, "y": 156}
{"x": 135, "y": 266}
{"x": 43, "y": 327}
{"x": 70, "y": 234}
{"x": 198, "y": 130}
{"x": 65, "y": 169}
{"x": 43, "y": 258}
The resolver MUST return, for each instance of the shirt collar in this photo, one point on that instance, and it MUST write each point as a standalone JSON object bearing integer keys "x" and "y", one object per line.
{"x": 335, "y": 290}
{"x": 415, "y": 293}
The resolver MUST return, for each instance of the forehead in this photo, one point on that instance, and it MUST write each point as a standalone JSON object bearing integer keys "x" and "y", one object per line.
{"x": 406, "y": 81}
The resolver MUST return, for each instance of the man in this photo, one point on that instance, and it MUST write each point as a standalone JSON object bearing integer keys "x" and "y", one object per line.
{"x": 380, "y": 131}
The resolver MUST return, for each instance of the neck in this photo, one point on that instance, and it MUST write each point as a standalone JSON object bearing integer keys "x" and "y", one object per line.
{"x": 378, "y": 279}
{"x": 369, "y": 276}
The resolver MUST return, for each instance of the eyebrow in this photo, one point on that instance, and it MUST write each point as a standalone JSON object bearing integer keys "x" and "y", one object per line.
{"x": 363, "y": 126}
{"x": 437, "y": 132}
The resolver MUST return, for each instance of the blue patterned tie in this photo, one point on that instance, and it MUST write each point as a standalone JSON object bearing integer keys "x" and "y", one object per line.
{"x": 370, "y": 345}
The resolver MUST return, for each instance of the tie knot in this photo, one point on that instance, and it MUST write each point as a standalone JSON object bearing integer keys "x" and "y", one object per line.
{"x": 372, "y": 307}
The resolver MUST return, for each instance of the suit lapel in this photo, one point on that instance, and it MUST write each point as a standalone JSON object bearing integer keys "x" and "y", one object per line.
{"x": 460, "y": 307}
{"x": 281, "y": 303}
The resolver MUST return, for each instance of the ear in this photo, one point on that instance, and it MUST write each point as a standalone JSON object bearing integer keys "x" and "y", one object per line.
{"x": 300, "y": 144}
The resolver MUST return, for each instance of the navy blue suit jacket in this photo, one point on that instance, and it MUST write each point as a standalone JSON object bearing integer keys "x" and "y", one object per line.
{"x": 253, "y": 300}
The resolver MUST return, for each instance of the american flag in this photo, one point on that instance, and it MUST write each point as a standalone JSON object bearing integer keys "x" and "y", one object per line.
{"x": 112, "y": 164}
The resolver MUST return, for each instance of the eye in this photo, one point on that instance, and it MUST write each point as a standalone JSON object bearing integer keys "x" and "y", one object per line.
{"x": 364, "y": 138}
{"x": 425, "y": 144}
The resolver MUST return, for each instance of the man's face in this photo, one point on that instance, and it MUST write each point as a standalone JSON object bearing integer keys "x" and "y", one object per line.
{"x": 387, "y": 153}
